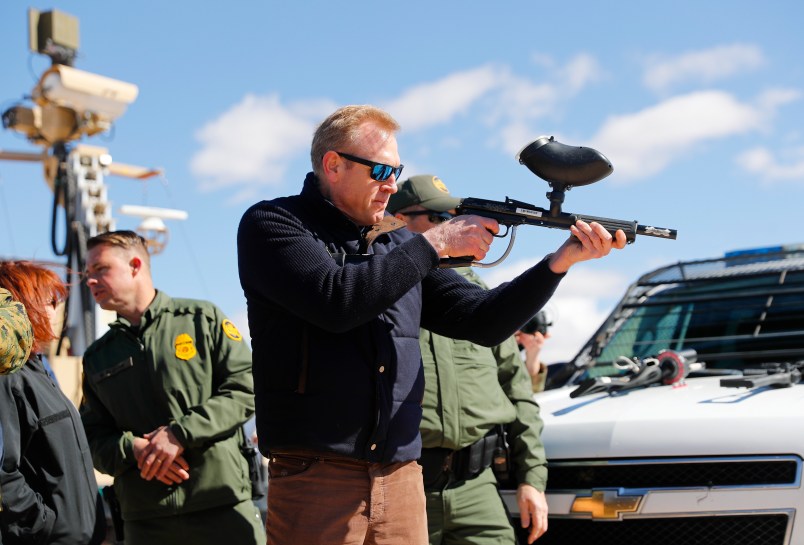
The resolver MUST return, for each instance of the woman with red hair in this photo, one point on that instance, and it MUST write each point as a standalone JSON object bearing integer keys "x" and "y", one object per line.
{"x": 49, "y": 492}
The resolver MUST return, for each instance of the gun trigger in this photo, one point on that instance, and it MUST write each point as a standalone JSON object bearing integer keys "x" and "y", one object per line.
{"x": 503, "y": 235}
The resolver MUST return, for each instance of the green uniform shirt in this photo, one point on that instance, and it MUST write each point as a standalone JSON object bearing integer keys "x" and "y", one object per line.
{"x": 185, "y": 366}
{"x": 470, "y": 388}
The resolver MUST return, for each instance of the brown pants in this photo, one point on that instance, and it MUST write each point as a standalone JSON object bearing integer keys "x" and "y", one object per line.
{"x": 324, "y": 499}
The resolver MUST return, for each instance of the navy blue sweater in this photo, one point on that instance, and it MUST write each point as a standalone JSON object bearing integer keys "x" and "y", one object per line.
{"x": 335, "y": 349}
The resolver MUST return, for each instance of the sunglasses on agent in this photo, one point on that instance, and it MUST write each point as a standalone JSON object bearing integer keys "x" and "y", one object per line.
{"x": 379, "y": 171}
{"x": 434, "y": 217}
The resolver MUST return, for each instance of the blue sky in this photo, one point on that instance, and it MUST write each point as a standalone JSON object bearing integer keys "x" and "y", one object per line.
{"x": 697, "y": 104}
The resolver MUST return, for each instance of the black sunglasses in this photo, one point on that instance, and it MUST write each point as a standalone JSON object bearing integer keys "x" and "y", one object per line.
{"x": 379, "y": 171}
{"x": 434, "y": 217}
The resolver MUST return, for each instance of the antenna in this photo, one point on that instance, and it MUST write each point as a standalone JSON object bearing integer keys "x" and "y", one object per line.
{"x": 153, "y": 228}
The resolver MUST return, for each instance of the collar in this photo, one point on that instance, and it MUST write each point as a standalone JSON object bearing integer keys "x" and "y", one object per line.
{"x": 161, "y": 302}
{"x": 311, "y": 193}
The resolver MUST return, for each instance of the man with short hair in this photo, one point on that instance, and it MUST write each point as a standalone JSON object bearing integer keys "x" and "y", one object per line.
{"x": 336, "y": 292}
{"x": 167, "y": 391}
{"x": 473, "y": 395}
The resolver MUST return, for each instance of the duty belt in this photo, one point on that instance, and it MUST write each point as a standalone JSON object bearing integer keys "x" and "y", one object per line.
{"x": 462, "y": 464}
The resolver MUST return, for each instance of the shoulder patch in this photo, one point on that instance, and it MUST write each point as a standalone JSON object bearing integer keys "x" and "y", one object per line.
{"x": 185, "y": 347}
{"x": 231, "y": 331}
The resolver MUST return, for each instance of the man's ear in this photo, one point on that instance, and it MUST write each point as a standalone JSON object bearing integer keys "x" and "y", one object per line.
{"x": 135, "y": 264}
{"x": 332, "y": 165}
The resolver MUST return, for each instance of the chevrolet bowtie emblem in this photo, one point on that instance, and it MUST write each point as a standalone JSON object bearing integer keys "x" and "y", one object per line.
{"x": 606, "y": 504}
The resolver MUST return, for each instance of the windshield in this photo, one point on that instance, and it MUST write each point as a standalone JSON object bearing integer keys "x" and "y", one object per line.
{"x": 731, "y": 321}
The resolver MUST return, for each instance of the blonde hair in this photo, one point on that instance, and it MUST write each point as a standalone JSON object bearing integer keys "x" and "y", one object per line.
{"x": 342, "y": 129}
{"x": 126, "y": 240}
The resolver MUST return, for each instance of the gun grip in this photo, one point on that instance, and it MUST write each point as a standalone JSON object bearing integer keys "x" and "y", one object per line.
{"x": 455, "y": 262}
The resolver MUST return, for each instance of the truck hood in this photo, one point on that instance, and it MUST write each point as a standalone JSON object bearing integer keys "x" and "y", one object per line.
{"x": 698, "y": 417}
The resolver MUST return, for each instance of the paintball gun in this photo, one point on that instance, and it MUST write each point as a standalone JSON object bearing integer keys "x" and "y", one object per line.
{"x": 562, "y": 167}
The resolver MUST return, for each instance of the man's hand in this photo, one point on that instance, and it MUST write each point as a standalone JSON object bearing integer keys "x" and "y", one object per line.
{"x": 532, "y": 343}
{"x": 532, "y": 510}
{"x": 588, "y": 241}
{"x": 160, "y": 457}
{"x": 463, "y": 236}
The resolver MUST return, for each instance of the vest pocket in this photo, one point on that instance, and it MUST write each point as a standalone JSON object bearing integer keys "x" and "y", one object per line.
{"x": 53, "y": 418}
{"x": 113, "y": 370}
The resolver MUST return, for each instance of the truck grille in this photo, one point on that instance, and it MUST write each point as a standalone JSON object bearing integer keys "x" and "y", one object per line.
{"x": 686, "y": 473}
{"x": 709, "y": 530}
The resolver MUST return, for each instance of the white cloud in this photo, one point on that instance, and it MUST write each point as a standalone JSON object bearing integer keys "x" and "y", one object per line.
{"x": 769, "y": 168}
{"x": 506, "y": 271}
{"x": 770, "y": 100}
{"x": 522, "y": 101}
{"x": 581, "y": 71}
{"x": 519, "y": 104}
{"x": 252, "y": 144}
{"x": 643, "y": 143}
{"x": 254, "y": 141}
{"x": 705, "y": 66}
{"x": 582, "y": 301}
{"x": 438, "y": 102}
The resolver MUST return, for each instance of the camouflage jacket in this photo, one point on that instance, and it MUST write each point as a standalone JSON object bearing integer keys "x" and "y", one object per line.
{"x": 16, "y": 334}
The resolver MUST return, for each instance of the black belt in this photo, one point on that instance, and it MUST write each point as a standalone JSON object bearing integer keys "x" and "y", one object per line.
{"x": 462, "y": 464}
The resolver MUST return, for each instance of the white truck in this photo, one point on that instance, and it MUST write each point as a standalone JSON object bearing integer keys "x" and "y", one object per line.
{"x": 681, "y": 421}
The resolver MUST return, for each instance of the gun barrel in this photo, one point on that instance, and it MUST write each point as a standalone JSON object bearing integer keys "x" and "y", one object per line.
{"x": 513, "y": 212}
{"x": 661, "y": 232}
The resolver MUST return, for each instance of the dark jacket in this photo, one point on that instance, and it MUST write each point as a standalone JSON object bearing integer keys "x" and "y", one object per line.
{"x": 186, "y": 366}
{"x": 335, "y": 318}
{"x": 49, "y": 490}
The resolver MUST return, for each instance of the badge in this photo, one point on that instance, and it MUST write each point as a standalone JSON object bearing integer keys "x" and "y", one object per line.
{"x": 231, "y": 331}
{"x": 185, "y": 348}
{"x": 438, "y": 184}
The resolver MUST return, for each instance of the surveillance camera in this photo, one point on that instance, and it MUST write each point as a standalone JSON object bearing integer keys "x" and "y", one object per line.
{"x": 43, "y": 125}
{"x": 85, "y": 92}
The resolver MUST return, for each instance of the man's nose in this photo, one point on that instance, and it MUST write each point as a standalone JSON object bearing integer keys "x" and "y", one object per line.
{"x": 389, "y": 185}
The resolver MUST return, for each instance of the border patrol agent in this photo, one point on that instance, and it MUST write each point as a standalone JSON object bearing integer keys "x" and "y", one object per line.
{"x": 472, "y": 393}
{"x": 168, "y": 389}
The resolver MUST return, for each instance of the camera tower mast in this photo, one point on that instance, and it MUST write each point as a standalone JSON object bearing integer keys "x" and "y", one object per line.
{"x": 69, "y": 104}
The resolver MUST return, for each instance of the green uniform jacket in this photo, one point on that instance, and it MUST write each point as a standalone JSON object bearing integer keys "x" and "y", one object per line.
{"x": 469, "y": 389}
{"x": 186, "y": 366}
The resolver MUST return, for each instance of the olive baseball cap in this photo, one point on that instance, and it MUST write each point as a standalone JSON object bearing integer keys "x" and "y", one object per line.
{"x": 425, "y": 190}
{"x": 16, "y": 334}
